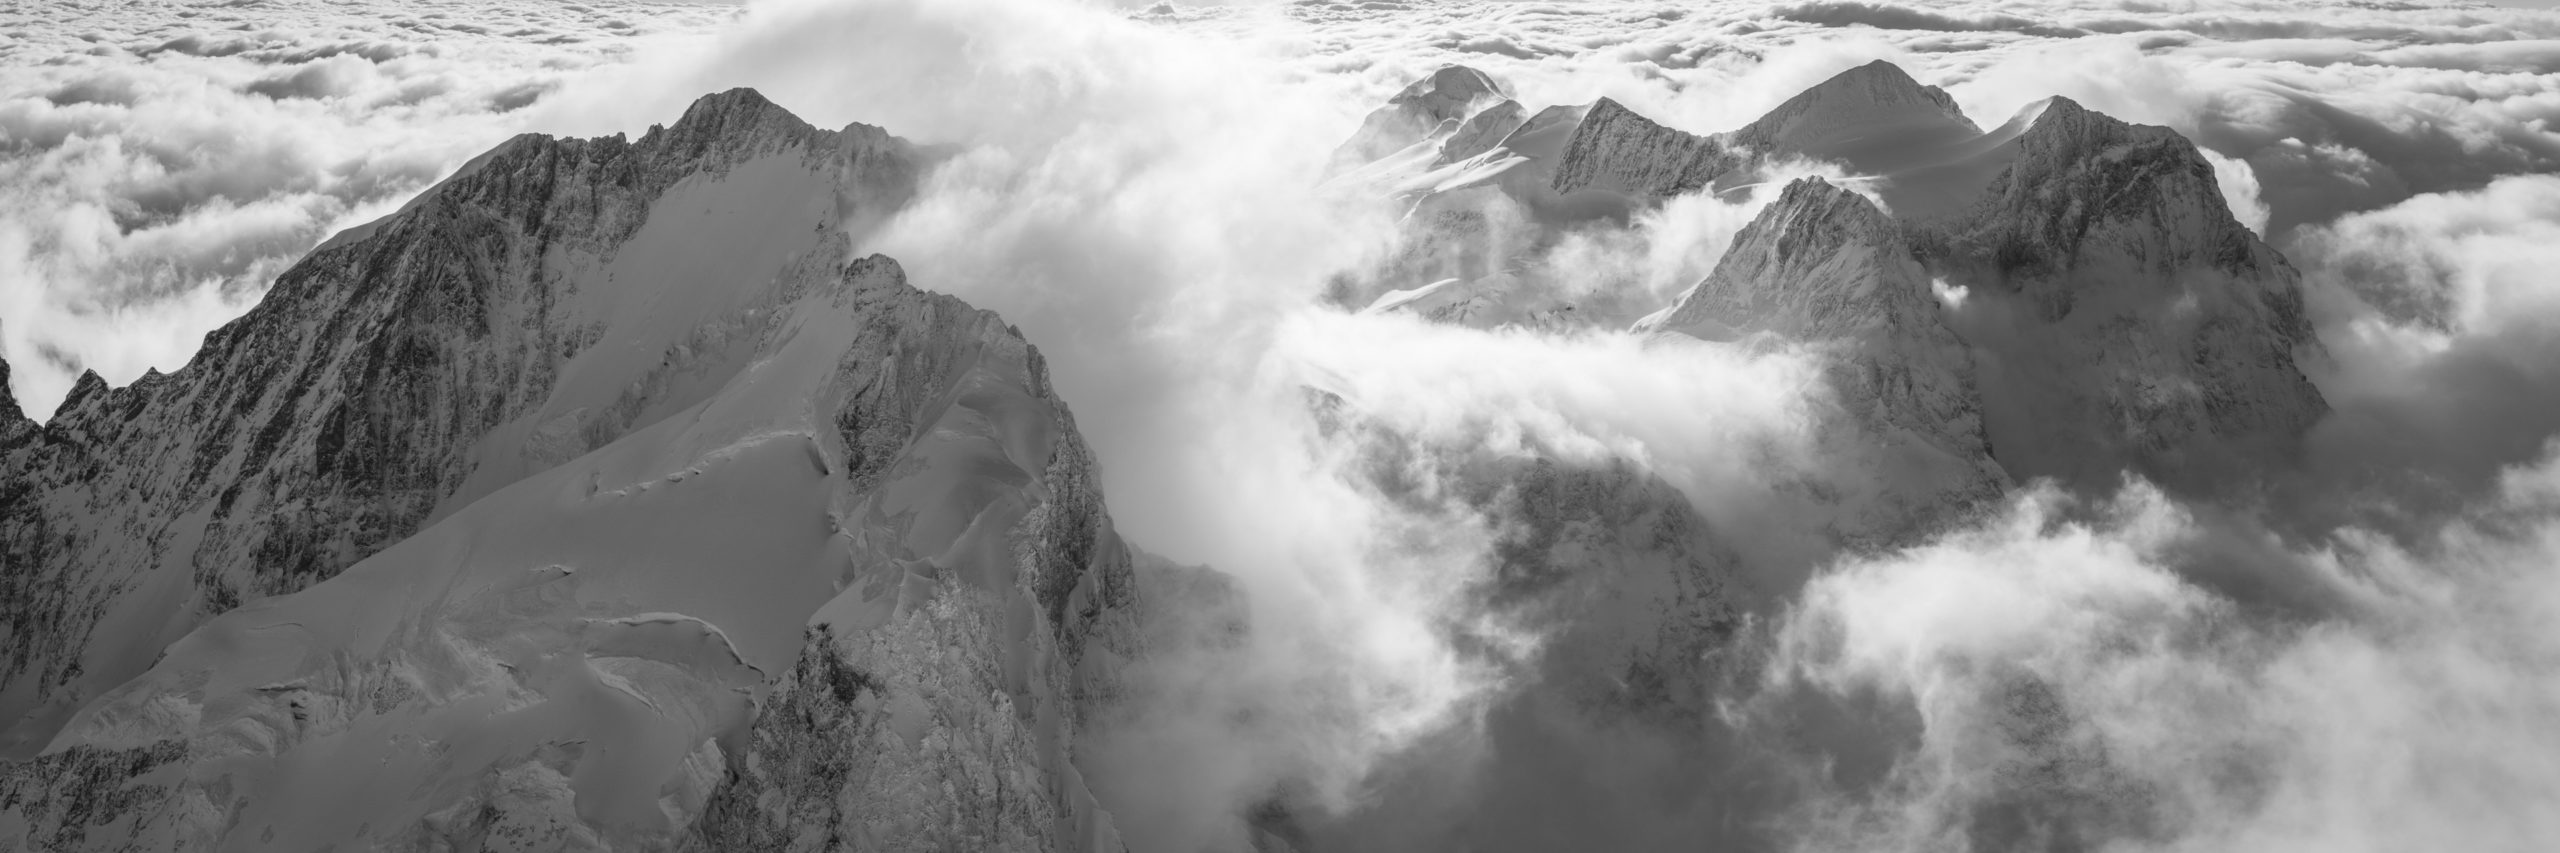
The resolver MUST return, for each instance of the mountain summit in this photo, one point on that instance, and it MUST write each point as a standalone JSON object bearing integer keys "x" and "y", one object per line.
{"x": 1869, "y": 117}
{"x": 1430, "y": 106}
{"x": 2122, "y": 300}
{"x": 1824, "y": 266}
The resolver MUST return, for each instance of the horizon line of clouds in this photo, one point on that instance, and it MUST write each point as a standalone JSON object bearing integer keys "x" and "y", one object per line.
{"x": 2463, "y": 114}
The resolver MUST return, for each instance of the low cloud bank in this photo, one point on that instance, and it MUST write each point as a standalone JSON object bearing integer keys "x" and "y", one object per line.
{"x": 2072, "y": 689}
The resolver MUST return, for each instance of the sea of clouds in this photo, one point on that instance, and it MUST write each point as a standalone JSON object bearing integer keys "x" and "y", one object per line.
{"x": 2361, "y": 663}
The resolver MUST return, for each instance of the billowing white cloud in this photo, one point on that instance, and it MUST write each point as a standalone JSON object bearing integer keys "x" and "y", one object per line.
{"x": 2443, "y": 326}
{"x": 2070, "y": 686}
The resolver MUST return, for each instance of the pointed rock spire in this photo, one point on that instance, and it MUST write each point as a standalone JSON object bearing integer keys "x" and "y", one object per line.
{"x": 737, "y": 111}
{"x": 85, "y": 391}
{"x": 1786, "y": 271}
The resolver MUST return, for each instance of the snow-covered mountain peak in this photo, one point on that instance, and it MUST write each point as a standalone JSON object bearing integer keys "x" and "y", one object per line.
{"x": 2073, "y": 168}
{"x": 1816, "y": 202}
{"x": 1430, "y": 108}
{"x": 737, "y": 110}
{"x": 2119, "y": 298}
{"x": 1819, "y": 262}
{"x": 1449, "y": 92}
{"x": 86, "y": 392}
{"x": 2065, "y": 134}
{"x": 1824, "y": 267}
{"x": 1877, "y": 103}
{"x": 738, "y": 120}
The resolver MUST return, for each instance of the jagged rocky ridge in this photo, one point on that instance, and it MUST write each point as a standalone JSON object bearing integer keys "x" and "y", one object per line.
{"x": 603, "y": 505}
{"x": 1873, "y": 118}
{"x": 2117, "y": 314}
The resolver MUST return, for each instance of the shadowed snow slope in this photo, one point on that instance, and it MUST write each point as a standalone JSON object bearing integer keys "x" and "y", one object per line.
{"x": 718, "y": 541}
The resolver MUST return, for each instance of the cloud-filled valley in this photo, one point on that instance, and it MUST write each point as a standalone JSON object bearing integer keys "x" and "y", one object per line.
{"x": 1670, "y": 477}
